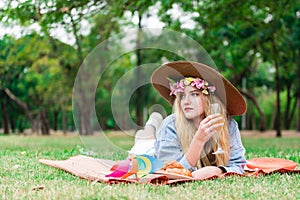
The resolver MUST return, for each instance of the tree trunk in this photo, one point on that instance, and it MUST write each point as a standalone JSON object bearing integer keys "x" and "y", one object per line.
{"x": 55, "y": 120}
{"x": 44, "y": 123}
{"x": 24, "y": 106}
{"x": 293, "y": 111}
{"x": 85, "y": 118}
{"x": 277, "y": 78}
{"x": 262, "y": 126}
{"x": 87, "y": 123}
{"x": 139, "y": 93}
{"x": 273, "y": 118}
{"x": 297, "y": 93}
{"x": 77, "y": 39}
{"x": 83, "y": 102}
{"x": 4, "y": 114}
{"x": 64, "y": 121}
{"x": 248, "y": 123}
{"x": 253, "y": 122}
{"x": 287, "y": 119}
{"x": 298, "y": 115}
{"x": 12, "y": 123}
{"x": 35, "y": 124}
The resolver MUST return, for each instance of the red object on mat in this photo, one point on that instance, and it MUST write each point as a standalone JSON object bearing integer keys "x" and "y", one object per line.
{"x": 271, "y": 163}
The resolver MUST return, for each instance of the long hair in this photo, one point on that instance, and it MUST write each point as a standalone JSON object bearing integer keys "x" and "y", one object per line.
{"x": 186, "y": 130}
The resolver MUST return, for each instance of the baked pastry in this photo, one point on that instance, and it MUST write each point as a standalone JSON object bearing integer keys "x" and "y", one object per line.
{"x": 176, "y": 168}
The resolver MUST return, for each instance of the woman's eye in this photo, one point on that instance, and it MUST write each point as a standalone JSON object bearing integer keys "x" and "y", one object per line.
{"x": 195, "y": 94}
{"x": 181, "y": 95}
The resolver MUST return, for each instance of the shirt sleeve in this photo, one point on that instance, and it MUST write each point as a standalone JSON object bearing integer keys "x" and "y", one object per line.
{"x": 237, "y": 159}
{"x": 167, "y": 146}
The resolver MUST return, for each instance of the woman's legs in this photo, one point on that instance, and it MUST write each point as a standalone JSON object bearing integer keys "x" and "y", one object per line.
{"x": 145, "y": 138}
{"x": 151, "y": 126}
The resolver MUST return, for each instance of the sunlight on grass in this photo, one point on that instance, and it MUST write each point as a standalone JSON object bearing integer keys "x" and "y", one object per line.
{"x": 22, "y": 177}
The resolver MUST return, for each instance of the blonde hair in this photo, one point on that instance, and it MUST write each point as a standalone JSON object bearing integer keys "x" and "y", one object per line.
{"x": 186, "y": 130}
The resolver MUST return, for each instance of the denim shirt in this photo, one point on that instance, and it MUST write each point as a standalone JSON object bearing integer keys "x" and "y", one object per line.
{"x": 167, "y": 146}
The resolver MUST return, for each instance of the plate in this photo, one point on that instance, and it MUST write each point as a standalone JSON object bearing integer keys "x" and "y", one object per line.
{"x": 271, "y": 163}
{"x": 173, "y": 176}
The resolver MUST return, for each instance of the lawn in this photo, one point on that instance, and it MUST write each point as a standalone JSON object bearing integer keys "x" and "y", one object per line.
{"x": 23, "y": 177}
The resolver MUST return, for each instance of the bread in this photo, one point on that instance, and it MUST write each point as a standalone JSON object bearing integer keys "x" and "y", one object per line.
{"x": 176, "y": 168}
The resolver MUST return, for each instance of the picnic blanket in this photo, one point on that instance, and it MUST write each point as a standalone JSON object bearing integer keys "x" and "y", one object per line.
{"x": 95, "y": 169}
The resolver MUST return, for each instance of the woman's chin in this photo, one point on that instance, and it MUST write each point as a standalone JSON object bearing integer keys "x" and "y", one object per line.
{"x": 190, "y": 116}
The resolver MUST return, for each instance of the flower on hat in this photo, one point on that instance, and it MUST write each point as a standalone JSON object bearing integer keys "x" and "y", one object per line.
{"x": 176, "y": 87}
{"x": 195, "y": 82}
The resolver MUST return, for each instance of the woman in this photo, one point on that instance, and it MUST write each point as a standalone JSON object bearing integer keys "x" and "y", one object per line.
{"x": 190, "y": 134}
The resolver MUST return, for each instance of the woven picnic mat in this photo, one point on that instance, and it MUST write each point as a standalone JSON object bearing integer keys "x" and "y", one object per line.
{"x": 95, "y": 169}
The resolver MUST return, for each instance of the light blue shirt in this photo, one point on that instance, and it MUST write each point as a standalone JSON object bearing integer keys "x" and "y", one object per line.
{"x": 167, "y": 146}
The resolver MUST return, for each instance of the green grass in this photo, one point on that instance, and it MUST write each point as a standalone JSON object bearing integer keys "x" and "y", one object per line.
{"x": 21, "y": 175}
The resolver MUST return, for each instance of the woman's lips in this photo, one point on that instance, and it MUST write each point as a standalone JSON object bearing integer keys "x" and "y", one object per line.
{"x": 188, "y": 109}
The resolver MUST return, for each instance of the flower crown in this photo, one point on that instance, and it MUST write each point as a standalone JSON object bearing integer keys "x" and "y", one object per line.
{"x": 196, "y": 82}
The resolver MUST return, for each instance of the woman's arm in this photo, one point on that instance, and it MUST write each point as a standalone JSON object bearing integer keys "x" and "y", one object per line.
{"x": 167, "y": 146}
{"x": 237, "y": 159}
{"x": 206, "y": 172}
{"x": 237, "y": 156}
{"x": 207, "y": 128}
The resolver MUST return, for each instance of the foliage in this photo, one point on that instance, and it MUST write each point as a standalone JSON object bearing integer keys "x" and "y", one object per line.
{"x": 36, "y": 76}
{"x": 242, "y": 37}
{"x": 256, "y": 41}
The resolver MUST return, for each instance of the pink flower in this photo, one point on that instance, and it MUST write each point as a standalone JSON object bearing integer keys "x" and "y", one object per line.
{"x": 176, "y": 87}
{"x": 198, "y": 83}
{"x": 195, "y": 82}
{"x": 173, "y": 90}
{"x": 180, "y": 86}
{"x": 211, "y": 88}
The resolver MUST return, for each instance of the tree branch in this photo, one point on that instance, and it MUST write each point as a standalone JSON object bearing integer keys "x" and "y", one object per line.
{"x": 16, "y": 99}
{"x": 261, "y": 113}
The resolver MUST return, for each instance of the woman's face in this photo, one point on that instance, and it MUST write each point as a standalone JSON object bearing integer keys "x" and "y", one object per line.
{"x": 191, "y": 103}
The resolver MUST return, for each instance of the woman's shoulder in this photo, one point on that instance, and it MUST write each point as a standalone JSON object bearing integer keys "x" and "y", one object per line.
{"x": 170, "y": 118}
{"x": 233, "y": 127}
{"x": 167, "y": 127}
{"x": 232, "y": 122}
{"x": 169, "y": 121}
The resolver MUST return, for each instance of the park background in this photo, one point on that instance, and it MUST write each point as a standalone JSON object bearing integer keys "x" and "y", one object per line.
{"x": 43, "y": 43}
{"x": 255, "y": 44}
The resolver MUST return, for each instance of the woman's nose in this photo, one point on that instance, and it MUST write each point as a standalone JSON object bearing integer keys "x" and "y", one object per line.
{"x": 187, "y": 100}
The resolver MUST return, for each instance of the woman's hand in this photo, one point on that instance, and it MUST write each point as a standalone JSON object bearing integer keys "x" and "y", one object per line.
{"x": 206, "y": 172}
{"x": 208, "y": 126}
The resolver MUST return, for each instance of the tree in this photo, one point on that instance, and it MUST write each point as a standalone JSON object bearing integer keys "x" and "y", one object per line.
{"x": 39, "y": 83}
{"x": 7, "y": 74}
{"x": 239, "y": 35}
{"x": 50, "y": 15}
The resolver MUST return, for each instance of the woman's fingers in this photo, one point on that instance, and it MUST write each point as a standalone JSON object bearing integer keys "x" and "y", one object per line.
{"x": 210, "y": 126}
{"x": 217, "y": 120}
{"x": 214, "y": 127}
{"x": 210, "y": 117}
{"x": 212, "y": 121}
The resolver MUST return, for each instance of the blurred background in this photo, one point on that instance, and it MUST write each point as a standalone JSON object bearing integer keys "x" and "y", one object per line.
{"x": 254, "y": 43}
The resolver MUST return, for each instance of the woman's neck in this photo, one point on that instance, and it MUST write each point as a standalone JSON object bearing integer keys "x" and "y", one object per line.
{"x": 197, "y": 120}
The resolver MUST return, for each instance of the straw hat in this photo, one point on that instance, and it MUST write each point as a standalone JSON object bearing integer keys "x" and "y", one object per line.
{"x": 177, "y": 70}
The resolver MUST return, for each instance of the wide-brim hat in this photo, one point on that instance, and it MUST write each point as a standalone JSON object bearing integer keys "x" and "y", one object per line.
{"x": 225, "y": 91}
